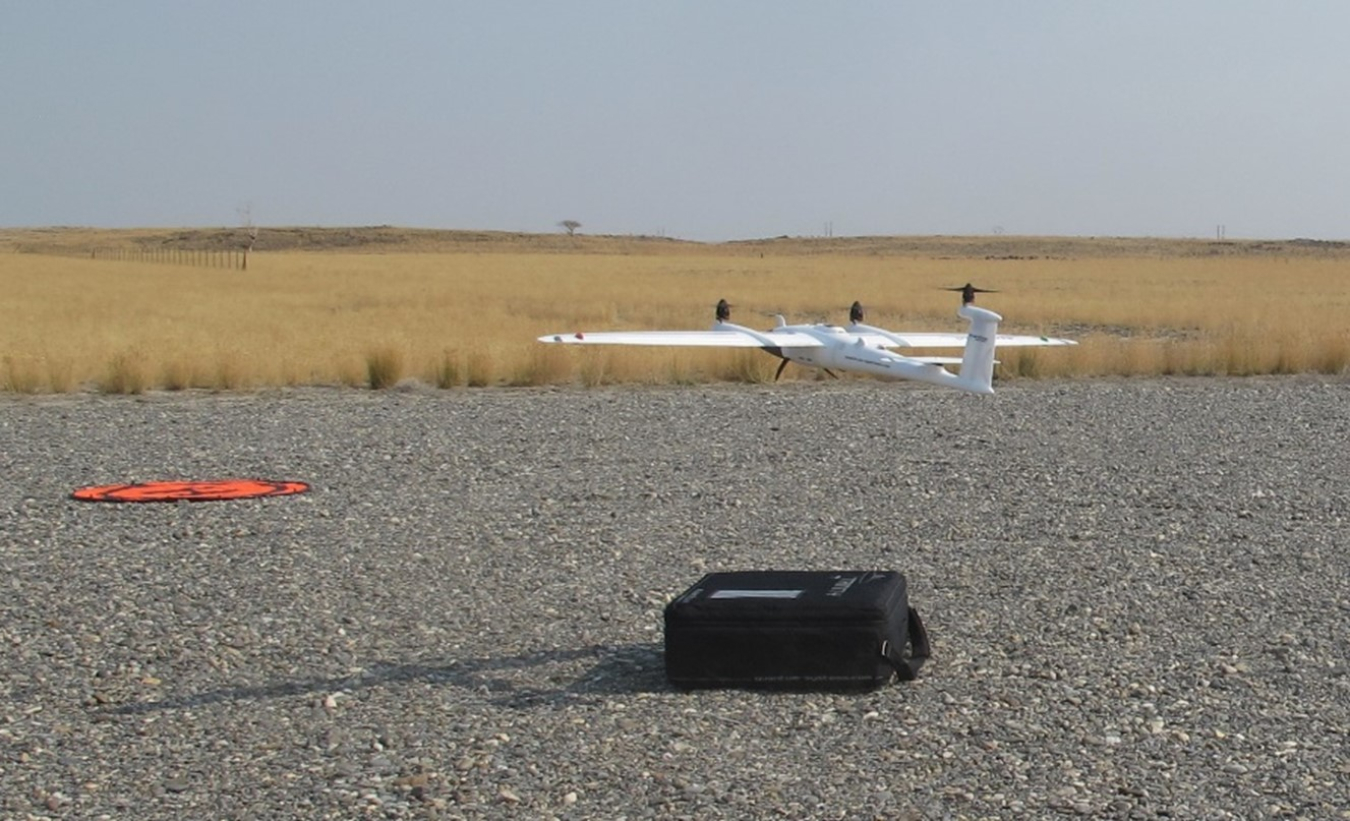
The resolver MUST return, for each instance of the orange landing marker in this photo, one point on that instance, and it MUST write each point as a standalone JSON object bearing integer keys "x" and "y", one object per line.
{"x": 208, "y": 491}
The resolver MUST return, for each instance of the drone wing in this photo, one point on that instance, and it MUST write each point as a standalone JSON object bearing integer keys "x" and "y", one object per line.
{"x": 724, "y": 338}
{"x": 892, "y": 339}
{"x": 1011, "y": 341}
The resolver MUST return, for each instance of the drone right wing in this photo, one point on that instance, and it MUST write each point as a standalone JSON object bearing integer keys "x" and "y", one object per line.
{"x": 950, "y": 340}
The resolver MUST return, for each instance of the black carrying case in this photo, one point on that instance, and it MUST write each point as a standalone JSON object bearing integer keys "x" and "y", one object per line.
{"x": 795, "y": 630}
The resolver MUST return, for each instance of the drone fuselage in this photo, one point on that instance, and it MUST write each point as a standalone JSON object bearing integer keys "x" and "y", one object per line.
{"x": 848, "y": 352}
{"x": 848, "y": 349}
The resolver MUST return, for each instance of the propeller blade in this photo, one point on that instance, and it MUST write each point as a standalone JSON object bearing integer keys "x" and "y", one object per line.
{"x": 855, "y": 313}
{"x": 781, "y": 366}
{"x": 969, "y": 291}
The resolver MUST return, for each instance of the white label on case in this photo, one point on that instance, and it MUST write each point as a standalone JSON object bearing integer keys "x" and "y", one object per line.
{"x": 756, "y": 594}
{"x": 842, "y": 584}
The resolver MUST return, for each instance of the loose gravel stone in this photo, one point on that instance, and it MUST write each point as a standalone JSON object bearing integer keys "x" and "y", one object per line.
{"x": 1138, "y": 595}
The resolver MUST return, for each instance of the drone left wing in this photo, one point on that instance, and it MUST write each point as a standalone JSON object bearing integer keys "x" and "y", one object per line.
{"x": 728, "y": 338}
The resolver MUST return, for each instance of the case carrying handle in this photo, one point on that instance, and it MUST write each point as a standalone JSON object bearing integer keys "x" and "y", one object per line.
{"x": 907, "y": 668}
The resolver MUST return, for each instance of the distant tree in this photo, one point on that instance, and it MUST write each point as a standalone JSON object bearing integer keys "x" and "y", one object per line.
{"x": 245, "y": 212}
{"x": 570, "y": 226}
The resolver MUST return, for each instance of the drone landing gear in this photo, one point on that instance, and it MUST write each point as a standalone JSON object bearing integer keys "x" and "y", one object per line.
{"x": 784, "y": 364}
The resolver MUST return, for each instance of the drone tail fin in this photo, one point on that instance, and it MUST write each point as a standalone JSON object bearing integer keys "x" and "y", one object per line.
{"x": 977, "y": 365}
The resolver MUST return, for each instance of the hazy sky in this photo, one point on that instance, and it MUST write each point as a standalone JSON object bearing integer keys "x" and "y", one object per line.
{"x": 712, "y": 120}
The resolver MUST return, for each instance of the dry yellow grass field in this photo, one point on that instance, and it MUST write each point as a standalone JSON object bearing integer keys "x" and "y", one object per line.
{"x": 373, "y": 307}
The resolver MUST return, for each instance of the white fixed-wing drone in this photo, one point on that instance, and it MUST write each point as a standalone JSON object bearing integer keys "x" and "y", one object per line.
{"x": 857, "y": 347}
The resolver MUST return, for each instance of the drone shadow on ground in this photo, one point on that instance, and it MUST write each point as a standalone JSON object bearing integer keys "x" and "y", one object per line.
{"x": 510, "y": 681}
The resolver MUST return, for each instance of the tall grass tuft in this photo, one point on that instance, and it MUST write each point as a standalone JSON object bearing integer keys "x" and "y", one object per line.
{"x": 447, "y": 372}
{"x": 478, "y": 370}
{"x": 176, "y": 375}
{"x": 352, "y": 373}
{"x": 1291, "y": 356}
{"x": 749, "y": 366}
{"x": 1238, "y": 355}
{"x": 60, "y": 375}
{"x": 1173, "y": 360}
{"x": 1332, "y": 357}
{"x": 20, "y": 375}
{"x": 1023, "y": 363}
{"x": 545, "y": 365}
{"x": 230, "y": 374}
{"x": 384, "y": 367}
{"x": 681, "y": 371}
{"x": 593, "y": 369}
{"x": 125, "y": 374}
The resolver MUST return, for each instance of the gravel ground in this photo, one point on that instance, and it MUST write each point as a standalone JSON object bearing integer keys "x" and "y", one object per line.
{"x": 1138, "y": 595}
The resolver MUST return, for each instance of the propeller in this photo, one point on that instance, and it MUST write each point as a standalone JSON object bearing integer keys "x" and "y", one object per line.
{"x": 723, "y": 310}
{"x": 781, "y": 366}
{"x": 855, "y": 313}
{"x": 969, "y": 291}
